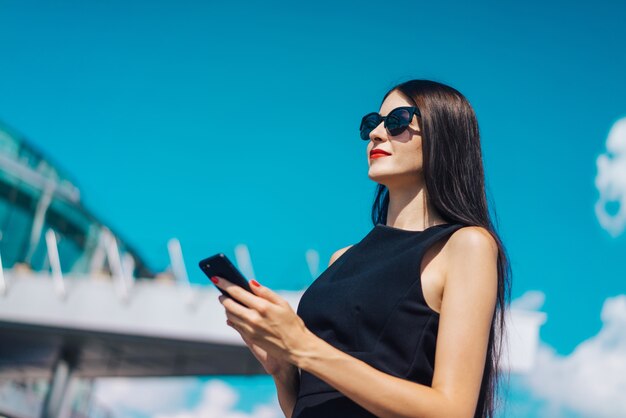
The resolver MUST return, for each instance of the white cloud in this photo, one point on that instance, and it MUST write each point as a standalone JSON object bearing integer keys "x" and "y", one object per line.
{"x": 218, "y": 401}
{"x": 145, "y": 396}
{"x": 170, "y": 398}
{"x": 611, "y": 180}
{"x": 592, "y": 379}
{"x": 531, "y": 300}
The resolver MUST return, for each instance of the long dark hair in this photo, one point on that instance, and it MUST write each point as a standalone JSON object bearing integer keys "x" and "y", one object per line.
{"x": 455, "y": 186}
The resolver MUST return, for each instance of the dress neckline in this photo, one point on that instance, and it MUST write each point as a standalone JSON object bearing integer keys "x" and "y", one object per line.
{"x": 392, "y": 228}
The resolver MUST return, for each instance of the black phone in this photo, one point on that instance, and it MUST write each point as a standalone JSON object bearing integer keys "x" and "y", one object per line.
{"x": 220, "y": 265}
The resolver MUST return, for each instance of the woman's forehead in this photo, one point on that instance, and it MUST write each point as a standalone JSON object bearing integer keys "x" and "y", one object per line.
{"x": 393, "y": 100}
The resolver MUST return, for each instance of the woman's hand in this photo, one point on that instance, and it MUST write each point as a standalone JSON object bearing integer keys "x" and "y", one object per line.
{"x": 271, "y": 364}
{"x": 275, "y": 334}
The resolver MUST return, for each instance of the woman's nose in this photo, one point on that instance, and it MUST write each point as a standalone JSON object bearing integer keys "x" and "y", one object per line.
{"x": 379, "y": 132}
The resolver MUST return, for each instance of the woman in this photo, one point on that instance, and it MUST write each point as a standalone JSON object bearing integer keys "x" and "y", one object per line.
{"x": 406, "y": 322}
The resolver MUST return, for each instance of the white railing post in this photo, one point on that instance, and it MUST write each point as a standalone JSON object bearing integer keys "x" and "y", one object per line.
{"x": 115, "y": 262}
{"x": 128, "y": 267}
{"x": 179, "y": 270}
{"x": 98, "y": 258}
{"x": 39, "y": 219}
{"x": 3, "y": 283}
{"x": 313, "y": 262}
{"x": 55, "y": 262}
{"x": 244, "y": 263}
{"x": 176, "y": 260}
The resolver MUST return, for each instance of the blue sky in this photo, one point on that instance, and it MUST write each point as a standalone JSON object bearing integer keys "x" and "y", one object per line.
{"x": 222, "y": 123}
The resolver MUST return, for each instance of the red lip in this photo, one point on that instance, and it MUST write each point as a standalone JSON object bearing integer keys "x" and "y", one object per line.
{"x": 378, "y": 153}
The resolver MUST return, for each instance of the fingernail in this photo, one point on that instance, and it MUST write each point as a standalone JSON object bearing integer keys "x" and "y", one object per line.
{"x": 214, "y": 279}
{"x": 254, "y": 282}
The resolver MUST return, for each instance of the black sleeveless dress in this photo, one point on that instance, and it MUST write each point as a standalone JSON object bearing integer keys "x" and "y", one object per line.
{"x": 369, "y": 304}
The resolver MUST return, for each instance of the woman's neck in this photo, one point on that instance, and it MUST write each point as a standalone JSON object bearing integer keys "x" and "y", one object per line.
{"x": 409, "y": 208}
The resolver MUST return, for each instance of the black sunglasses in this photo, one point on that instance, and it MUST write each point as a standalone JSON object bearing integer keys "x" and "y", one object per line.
{"x": 396, "y": 121}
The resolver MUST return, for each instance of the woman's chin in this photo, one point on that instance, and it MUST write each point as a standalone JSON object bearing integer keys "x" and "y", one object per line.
{"x": 379, "y": 176}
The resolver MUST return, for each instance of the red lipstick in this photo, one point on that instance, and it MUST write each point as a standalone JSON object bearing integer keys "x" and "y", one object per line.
{"x": 377, "y": 153}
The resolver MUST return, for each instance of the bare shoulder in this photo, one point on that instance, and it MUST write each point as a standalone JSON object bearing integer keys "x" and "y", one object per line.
{"x": 471, "y": 245}
{"x": 338, "y": 254}
{"x": 473, "y": 239}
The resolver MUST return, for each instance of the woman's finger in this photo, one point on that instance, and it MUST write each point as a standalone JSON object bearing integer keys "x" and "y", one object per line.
{"x": 266, "y": 293}
{"x": 241, "y": 295}
{"x": 239, "y": 323}
{"x": 234, "y": 308}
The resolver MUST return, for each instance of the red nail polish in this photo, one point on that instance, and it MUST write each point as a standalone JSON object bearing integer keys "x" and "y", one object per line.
{"x": 254, "y": 282}
{"x": 214, "y": 279}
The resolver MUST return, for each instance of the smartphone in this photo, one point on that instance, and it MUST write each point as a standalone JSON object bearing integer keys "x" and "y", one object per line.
{"x": 220, "y": 265}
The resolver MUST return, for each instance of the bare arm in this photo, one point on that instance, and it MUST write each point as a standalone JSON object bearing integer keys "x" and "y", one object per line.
{"x": 288, "y": 381}
{"x": 467, "y": 307}
{"x": 287, "y": 385}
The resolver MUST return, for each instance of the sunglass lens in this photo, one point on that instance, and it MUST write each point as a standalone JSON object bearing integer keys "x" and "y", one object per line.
{"x": 398, "y": 120}
{"x": 368, "y": 124}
